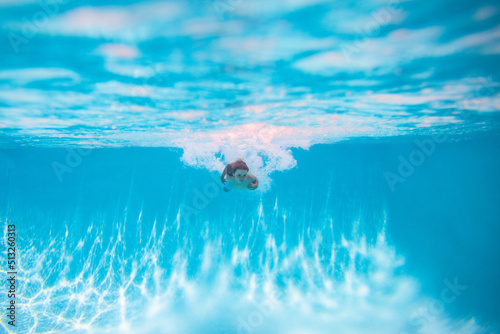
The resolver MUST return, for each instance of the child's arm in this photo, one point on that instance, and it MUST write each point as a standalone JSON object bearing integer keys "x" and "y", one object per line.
{"x": 255, "y": 183}
{"x": 224, "y": 172}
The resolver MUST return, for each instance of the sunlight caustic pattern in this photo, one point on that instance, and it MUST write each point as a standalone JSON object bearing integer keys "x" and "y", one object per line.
{"x": 100, "y": 283}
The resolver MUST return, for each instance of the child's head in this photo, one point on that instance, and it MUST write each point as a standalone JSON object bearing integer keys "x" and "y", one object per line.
{"x": 238, "y": 167}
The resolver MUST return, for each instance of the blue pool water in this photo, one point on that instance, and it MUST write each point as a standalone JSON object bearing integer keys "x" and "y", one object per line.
{"x": 373, "y": 128}
{"x": 134, "y": 241}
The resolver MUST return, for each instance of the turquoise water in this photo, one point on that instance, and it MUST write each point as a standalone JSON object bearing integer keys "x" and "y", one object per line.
{"x": 373, "y": 128}
{"x": 135, "y": 241}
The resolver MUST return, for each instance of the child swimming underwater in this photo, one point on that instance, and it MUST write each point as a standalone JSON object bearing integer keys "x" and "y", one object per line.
{"x": 238, "y": 177}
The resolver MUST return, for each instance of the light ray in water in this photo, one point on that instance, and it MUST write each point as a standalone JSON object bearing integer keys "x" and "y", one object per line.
{"x": 307, "y": 283}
